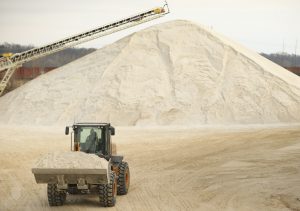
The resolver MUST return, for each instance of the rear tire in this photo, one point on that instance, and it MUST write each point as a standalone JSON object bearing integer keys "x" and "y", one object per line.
{"x": 55, "y": 197}
{"x": 123, "y": 178}
{"x": 108, "y": 192}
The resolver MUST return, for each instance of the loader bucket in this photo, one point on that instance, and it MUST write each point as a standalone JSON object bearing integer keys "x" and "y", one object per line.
{"x": 71, "y": 168}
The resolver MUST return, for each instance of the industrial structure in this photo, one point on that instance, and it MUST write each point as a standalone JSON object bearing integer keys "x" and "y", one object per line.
{"x": 10, "y": 62}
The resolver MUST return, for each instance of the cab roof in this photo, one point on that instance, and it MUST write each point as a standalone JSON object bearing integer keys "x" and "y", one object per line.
{"x": 91, "y": 124}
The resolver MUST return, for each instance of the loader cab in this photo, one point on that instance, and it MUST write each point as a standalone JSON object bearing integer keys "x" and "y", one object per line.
{"x": 92, "y": 138}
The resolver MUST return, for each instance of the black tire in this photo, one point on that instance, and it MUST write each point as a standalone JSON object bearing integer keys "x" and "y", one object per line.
{"x": 108, "y": 192}
{"x": 123, "y": 178}
{"x": 55, "y": 197}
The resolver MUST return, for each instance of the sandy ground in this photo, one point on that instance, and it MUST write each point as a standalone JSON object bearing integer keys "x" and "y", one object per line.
{"x": 234, "y": 168}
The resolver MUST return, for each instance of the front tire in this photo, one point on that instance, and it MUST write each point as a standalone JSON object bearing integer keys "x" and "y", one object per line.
{"x": 55, "y": 197}
{"x": 123, "y": 178}
{"x": 108, "y": 192}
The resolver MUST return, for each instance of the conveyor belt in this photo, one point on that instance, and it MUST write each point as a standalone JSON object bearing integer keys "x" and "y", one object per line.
{"x": 11, "y": 63}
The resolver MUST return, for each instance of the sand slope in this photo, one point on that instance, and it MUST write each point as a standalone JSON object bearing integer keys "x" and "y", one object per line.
{"x": 176, "y": 73}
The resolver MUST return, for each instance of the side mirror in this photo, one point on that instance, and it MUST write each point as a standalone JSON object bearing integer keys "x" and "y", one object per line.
{"x": 112, "y": 131}
{"x": 67, "y": 131}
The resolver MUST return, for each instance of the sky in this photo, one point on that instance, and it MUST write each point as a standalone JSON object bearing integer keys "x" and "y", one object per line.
{"x": 268, "y": 26}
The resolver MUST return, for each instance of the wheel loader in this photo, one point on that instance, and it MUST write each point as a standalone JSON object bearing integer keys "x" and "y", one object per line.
{"x": 92, "y": 166}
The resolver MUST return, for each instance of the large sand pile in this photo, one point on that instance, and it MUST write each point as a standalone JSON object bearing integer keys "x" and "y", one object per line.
{"x": 175, "y": 73}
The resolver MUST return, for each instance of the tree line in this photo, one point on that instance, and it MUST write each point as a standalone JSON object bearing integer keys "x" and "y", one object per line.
{"x": 68, "y": 55}
{"x": 284, "y": 59}
{"x": 54, "y": 60}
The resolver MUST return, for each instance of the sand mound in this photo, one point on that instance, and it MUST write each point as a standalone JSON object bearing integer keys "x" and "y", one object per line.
{"x": 176, "y": 73}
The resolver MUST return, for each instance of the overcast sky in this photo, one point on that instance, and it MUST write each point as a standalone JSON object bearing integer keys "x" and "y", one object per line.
{"x": 262, "y": 25}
